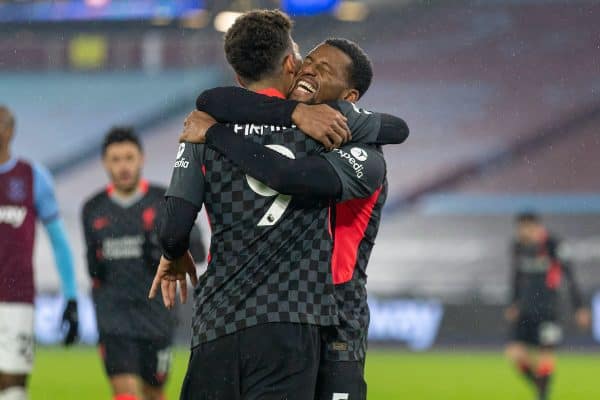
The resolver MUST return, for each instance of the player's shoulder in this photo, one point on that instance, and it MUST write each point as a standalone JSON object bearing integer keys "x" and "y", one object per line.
{"x": 35, "y": 167}
{"x": 94, "y": 200}
{"x": 348, "y": 108}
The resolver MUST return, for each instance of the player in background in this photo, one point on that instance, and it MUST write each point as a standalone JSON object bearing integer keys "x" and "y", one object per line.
{"x": 26, "y": 195}
{"x": 120, "y": 224}
{"x": 333, "y": 70}
{"x": 538, "y": 273}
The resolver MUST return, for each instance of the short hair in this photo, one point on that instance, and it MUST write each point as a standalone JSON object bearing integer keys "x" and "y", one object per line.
{"x": 360, "y": 73}
{"x": 120, "y": 134}
{"x": 6, "y": 117}
{"x": 528, "y": 217}
{"x": 256, "y": 43}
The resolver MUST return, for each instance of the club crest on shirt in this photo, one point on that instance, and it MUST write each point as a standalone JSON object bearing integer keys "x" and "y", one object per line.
{"x": 16, "y": 190}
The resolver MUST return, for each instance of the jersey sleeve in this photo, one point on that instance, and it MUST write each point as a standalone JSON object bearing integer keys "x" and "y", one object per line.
{"x": 308, "y": 176}
{"x": 235, "y": 104}
{"x": 96, "y": 268}
{"x": 364, "y": 125}
{"x": 187, "y": 179}
{"x": 360, "y": 168}
{"x": 559, "y": 253}
{"x": 370, "y": 127}
{"x": 43, "y": 192}
{"x": 63, "y": 257}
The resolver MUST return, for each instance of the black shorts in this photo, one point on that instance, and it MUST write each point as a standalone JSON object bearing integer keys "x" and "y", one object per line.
{"x": 341, "y": 380}
{"x": 537, "y": 332}
{"x": 272, "y": 361}
{"x": 150, "y": 360}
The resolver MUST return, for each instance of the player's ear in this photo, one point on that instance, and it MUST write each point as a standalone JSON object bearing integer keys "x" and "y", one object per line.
{"x": 351, "y": 95}
{"x": 290, "y": 66}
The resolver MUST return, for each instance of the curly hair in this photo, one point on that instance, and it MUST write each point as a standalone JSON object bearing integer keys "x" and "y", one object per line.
{"x": 360, "y": 73}
{"x": 256, "y": 43}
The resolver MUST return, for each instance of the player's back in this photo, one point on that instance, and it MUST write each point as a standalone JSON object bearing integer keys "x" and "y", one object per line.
{"x": 270, "y": 253}
{"x": 17, "y": 232}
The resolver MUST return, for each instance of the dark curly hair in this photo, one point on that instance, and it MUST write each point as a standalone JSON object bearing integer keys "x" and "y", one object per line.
{"x": 120, "y": 134}
{"x": 256, "y": 43}
{"x": 360, "y": 73}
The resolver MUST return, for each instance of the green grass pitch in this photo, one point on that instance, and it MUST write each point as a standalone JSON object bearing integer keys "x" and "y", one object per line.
{"x": 77, "y": 374}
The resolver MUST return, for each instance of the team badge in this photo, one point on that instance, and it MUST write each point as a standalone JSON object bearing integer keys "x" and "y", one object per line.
{"x": 16, "y": 190}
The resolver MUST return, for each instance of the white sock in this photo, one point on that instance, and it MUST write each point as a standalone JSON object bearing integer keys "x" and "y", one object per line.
{"x": 13, "y": 393}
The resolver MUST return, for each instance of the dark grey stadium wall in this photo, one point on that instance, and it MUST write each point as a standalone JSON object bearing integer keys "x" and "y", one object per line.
{"x": 462, "y": 261}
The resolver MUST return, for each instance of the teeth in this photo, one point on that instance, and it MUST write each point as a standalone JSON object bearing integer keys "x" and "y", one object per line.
{"x": 306, "y": 86}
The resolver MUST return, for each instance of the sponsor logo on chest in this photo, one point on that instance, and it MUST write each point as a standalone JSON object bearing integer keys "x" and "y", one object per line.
{"x": 536, "y": 264}
{"x": 13, "y": 215}
{"x": 123, "y": 247}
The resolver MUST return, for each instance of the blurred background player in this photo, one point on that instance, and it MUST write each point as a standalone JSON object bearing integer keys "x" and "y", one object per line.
{"x": 26, "y": 194}
{"x": 122, "y": 251}
{"x": 538, "y": 272}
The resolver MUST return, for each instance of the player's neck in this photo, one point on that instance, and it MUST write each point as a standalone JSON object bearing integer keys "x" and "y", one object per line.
{"x": 4, "y": 155}
{"x": 267, "y": 84}
{"x": 126, "y": 194}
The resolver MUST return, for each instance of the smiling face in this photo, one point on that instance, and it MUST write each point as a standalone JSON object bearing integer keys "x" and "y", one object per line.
{"x": 324, "y": 77}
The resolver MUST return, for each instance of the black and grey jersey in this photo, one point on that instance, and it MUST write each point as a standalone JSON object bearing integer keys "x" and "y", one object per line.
{"x": 269, "y": 253}
{"x": 122, "y": 254}
{"x": 538, "y": 275}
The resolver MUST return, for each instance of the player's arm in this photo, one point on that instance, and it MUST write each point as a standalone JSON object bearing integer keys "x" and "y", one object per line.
{"x": 47, "y": 211}
{"x": 330, "y": 175}
{"x": 583, "y": 316}
{"x": 184, "y": 199}
{"x": 309, "y": 176}
{"x": 573, "y": 286}
{"x": 582, "y": 313}
{"x": 96, "y": 268}
{"x": 373, "y": 128}
{"x": 324, "y": 123}
{"x": 235, "y": 104}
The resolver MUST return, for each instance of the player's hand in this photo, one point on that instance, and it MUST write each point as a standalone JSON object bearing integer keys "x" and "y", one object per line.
{"x": 172, "y": 273}
{"x": 70, "y": 322}
{"x": 195, "y": 126}
{"x": 511, "y": 313}
{"x": 583, "y": 318}
{"x": 322, "y": 123}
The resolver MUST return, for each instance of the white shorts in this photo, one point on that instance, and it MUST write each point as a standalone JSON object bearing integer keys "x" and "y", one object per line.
{"x": 16, "y": 338}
